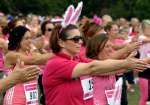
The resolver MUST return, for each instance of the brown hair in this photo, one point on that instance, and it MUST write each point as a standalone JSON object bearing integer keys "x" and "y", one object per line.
{"x": 90, "y": 29}
{"x": 109, "y": 26}
{"x": 95, "y": 45}
{"x": 43, "y": 26}
{"x": 59, "y": 33}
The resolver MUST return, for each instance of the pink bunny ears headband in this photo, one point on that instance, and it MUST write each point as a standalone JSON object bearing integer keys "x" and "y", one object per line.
{"x": 71, "y": 15}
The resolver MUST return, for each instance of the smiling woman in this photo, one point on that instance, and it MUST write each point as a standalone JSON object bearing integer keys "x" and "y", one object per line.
{"x": 72, "y": 73}
{"x": 20, "y": 47}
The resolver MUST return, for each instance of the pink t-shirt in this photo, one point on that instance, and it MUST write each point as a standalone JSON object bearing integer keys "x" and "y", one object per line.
{"x": 18, "y": 95}
{"x": 2, "y": 67}
{"x": 144, "y": 51}
{"x": 104, "y": 82}
{"x": 101, "y": 84}
{"x": 59, "y": 86}
{"x": 1, "y": 60}
{"x": 119, "y": 41}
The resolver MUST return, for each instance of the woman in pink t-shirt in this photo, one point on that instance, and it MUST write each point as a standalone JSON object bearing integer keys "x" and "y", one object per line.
{"x": 64, "y": 78}
{"x": 19, "y": 48}
{"x": 99, "y": 47}
{"x": 144, "y": 52}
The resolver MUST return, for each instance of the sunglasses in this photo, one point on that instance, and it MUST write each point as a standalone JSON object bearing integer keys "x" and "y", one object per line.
{"x": 49, "y": 29}
{"x": 76, "y": 39}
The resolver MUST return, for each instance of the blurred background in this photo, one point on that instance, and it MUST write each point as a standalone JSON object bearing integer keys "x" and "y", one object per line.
{"x": 116, "y": 8}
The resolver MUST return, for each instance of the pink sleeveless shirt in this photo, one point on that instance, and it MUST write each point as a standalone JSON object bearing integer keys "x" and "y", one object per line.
{"x": 18, "y": 94}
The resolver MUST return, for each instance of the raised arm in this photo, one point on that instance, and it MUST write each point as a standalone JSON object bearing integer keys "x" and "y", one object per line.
{"x": 106, "y": 66}
{"x": 124, "y": 52}
{"x": 19, "y": 75}
{"x": 35, "y": 59}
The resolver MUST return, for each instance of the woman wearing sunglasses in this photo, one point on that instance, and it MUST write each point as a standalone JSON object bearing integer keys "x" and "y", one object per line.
{"x": 19, "y": 46}
{"x": 46, "y": 29}
{"x": 67, "y": 77}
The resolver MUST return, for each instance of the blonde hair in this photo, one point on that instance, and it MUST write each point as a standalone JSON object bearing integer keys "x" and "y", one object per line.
{"x": 145, "y": 23}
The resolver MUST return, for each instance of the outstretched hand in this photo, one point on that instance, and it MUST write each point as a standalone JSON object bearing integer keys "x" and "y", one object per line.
{"x": 133, "y": 54}
{"x": 22, "y": 74}
{"x": 133, "y": 46}
{"x": 136, "y": 64}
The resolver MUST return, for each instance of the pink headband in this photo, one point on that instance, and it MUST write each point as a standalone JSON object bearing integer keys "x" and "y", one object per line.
{"x": 97, "y": 20}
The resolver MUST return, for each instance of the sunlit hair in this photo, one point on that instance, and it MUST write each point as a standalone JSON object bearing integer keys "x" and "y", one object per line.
{"x": 16, "y": 36}
{"x": 145, "y": 23}
{"x": 107, "y": 17}
{"x": 59, "y": 35}
{"x": 95, "y": 45}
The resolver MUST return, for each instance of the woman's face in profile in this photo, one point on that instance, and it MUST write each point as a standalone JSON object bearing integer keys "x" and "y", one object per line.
{"x": 26, "y": 41}
{"x": 73, "y": 42}
{"x": 107, "y": 51}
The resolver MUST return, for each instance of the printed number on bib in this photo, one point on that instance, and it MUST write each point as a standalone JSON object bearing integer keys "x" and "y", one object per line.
{"x": 31, "y": 93}
{"x": 87, "y": 86}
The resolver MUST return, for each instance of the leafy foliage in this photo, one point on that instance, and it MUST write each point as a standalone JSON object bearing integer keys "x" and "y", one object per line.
{"x": 116, "y": 8}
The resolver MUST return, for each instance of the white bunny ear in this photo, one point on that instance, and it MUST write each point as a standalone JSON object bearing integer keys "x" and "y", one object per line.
{"x": 68, "y": 14}
{"x": 76, "y": 14}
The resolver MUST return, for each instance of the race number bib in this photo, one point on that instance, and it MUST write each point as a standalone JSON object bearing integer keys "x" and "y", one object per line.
{"x": 109, "y": 95}
{"x": 31, "y": 93}
{"x": 114, "y": 95}
{"x": 87, "y": 86}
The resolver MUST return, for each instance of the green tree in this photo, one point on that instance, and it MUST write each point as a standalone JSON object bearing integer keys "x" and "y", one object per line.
{"x": 116, "y": 8}
{"x": 142, "y": 9}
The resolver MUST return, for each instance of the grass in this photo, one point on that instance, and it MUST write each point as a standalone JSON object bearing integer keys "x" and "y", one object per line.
{"x": 133, "y": 98}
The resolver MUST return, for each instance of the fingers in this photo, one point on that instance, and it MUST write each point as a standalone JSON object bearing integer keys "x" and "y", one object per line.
{"x": 142, "y": 62}
{"x": 28, "y": 78}
{"x": 31, "y": 78}
{"x": 30, "y": 73}
{"x": 33, "y": 73}
{"x": 137, "y": 64}
{"x": 133, "y": 46}
{"x": 136, "y": 44}
{"x": 31, "y": 68}
{"x": 133, "y": 54}
{"x": 140, "y": 65}
{"x": 139, "y": 69}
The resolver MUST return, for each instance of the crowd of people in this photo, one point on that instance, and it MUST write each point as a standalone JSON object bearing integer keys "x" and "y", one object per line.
{"x": 44, "y": 62}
